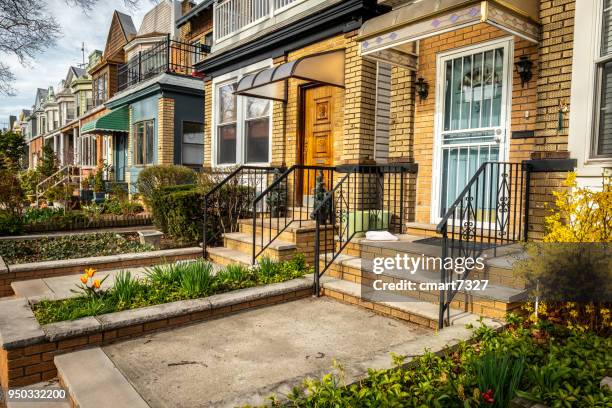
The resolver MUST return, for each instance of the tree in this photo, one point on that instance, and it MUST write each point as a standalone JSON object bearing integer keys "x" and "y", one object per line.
{"x": 12, "y": 150}
{"x": 27, "y": 28}
{"x": 48, "y": 162}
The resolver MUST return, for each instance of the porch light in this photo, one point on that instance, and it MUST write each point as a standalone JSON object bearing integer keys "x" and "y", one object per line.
{"x": 523, "y": 67}
{"x": 422, "y": 88}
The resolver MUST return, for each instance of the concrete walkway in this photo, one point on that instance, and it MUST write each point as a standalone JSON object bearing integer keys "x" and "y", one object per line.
{"x": 244, "y": 358}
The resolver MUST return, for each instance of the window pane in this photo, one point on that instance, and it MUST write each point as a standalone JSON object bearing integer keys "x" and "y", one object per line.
{"x": 149, "y": 141}
{"x": 193, "y": 132}
{"x": 256, "y": 108}
{"x": 227, "y": 103}
{"x": 604, "y": 142}
{"x": 226, "y": 153}
{"x": 257, "y": 140}
{"x": 193, "y": 154}
{"x": 139, "y": 144}
{"x": 606, "y": 27}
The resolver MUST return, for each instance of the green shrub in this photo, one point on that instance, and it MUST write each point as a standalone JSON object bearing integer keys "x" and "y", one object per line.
{"x": 10, "y": 224}
{"x": 178, "y": 212}
{"x": 154, "y": 178}
{"x": 34, "y": 214}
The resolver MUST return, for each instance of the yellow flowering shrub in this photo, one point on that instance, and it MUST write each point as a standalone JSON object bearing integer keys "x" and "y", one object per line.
{"x": 580, "y": 215}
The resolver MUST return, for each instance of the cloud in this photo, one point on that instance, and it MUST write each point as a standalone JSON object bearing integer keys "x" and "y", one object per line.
{"x": 51, "y": 67}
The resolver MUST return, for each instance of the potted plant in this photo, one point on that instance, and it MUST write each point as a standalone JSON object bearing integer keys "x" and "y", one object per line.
{"x": 86, "y": 184}
{"x": 98, "y": 185}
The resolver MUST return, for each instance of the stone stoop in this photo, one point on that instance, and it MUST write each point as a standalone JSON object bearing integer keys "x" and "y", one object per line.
{"x": 401, "y": 307}
{"x": 93, "y": 381}
{"x": 504, "y": 292}
{"x": 295, "y": 237}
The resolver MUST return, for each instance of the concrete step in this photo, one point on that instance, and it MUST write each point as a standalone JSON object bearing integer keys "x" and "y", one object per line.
{"x": 494, "y": 301}
{"x": 45, "y": 385}
{"x": 93, "y": 381}
{"x": 276, "y": 249}
{"x": 499, "y": 261}
{"x": 226, "y": 256}
{"x": 401, "y": 307}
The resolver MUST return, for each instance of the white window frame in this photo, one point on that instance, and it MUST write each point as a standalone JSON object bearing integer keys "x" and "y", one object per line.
{"x": 585, "y": 93}
{"x": 226, "y": 79}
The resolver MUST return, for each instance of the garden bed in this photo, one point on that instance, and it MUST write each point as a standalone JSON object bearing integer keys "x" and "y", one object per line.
{"x": 163, "y": 284}
{"x": 28, "y": 348}
{"x": 69, "y": 247}
{"x": 542, "y": 363}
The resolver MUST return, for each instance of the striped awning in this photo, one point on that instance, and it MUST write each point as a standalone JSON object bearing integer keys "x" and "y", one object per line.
{"x": 391, "y": 36}
{"x": 114, "y": 121}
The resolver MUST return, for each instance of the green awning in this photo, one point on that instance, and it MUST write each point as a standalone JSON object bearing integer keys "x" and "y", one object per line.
{"x": 114, "y": 121}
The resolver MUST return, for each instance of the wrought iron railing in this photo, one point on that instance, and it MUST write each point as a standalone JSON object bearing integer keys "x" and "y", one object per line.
{"x": 230, "y": 200}
{"x": 68, "y": 174}
{"x": 288, "y": 200}
{"x": 167, "y": 56}
{"x": 491, "y": 211}
{"x": 366, "y": 198}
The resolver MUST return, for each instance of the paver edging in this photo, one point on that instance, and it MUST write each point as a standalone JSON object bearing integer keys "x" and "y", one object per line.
{"x": 26, "y": 356}
{"x": 45, "y": 269}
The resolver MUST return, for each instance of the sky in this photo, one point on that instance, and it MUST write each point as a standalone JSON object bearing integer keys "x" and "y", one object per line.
{"x": 49, "y": 68}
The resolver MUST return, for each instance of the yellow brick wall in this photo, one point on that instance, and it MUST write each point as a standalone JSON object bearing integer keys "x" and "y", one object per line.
{"x": 555, "y": 60}
{"x": 165, "y": 131}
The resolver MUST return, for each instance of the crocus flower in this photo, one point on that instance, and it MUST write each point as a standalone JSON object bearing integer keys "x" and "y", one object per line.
{"x": 488, "y": 397}
{"x": 90, "y": 272}
{"x": 84, "y": 279}
{"x": 97, "y": 283}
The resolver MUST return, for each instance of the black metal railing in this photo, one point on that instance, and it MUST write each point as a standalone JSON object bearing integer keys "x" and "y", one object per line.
{"x": 288, "y": 200}
{"x": 491, "y": 211}
{"x": 168, "y": 56}
{"x": 366, "y": 198}
{"x": 230, "y": 200}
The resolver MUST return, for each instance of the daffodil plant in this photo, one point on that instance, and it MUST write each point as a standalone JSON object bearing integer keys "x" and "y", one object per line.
{"x": 89, "y": 285}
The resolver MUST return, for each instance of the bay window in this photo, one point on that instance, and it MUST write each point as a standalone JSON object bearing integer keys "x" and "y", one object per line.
{"x": 144, "y": 136}
{"x": 242, "y": 126}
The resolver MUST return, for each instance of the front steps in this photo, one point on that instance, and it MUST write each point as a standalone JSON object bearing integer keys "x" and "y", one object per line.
{"x": 93, "y": 381}
{"x": 296, "y": 237}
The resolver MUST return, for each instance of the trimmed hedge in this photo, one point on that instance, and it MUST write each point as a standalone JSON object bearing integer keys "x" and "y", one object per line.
{"x": 179, "y": 211}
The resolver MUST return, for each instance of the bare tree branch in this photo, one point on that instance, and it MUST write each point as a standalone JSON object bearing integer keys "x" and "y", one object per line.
{"x": 27, "y": 28}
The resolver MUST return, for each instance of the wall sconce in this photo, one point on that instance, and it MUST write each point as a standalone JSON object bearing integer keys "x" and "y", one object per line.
{"x": 523, "y": 67}
{"x": 422, "y": 88}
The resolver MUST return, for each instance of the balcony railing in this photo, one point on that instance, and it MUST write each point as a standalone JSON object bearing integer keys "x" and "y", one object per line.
{"x": 232, "y": 16}
{"x": 168, "y": 56}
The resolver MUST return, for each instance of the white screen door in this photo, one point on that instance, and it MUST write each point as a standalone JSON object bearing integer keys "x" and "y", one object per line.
{"x": 473, "y": 124}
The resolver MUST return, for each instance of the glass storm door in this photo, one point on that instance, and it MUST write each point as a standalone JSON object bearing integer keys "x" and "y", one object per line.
{"x": 474, "y": 117}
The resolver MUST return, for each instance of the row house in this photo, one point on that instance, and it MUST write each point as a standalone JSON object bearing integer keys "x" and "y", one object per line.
{"x": 37, "y": 127}
{"x": 148, "y": 102}
{"x": 444, "y": 85}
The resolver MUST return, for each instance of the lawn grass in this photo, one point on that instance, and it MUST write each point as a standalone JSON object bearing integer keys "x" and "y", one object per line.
{"x": 163, "y": 284}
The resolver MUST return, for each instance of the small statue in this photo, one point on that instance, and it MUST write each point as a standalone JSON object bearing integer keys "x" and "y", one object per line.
{"x": 320, "y": 195}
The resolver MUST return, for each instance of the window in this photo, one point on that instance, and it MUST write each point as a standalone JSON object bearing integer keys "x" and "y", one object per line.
{"x": 198, "y": 52}
{"x": 242, "y": 126}
{"x": 88, "y": 149}
{"x": 100, "y": 88}
{"x": 226, "y": 129}
{"x": 257, "y": 127}
{"x": 192, "y": 149}
{"x": 602, "y": 146}
{"x": 143, "y": 142}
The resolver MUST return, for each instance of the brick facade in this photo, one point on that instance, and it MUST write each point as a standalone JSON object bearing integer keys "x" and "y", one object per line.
{"x": 165, "y": 131}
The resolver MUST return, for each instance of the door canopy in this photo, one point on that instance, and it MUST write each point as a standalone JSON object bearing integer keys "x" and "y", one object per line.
{"x": 326, "y": 68}
{"x": 391, "y": 37}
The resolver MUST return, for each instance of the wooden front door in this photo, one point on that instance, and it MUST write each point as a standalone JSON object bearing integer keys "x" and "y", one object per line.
{"x": 318, "y": 130}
